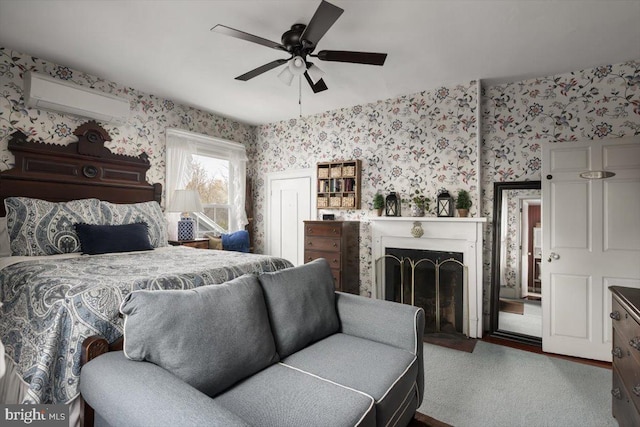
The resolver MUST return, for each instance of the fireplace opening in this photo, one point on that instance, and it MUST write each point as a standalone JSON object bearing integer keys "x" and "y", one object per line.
{"x": 433, "y": 280}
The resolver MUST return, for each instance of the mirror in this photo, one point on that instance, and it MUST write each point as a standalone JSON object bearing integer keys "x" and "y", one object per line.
{"x": 516, "y": 311}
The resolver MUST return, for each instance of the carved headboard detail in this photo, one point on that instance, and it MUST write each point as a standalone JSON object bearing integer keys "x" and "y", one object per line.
{"x": 79, "y": 170}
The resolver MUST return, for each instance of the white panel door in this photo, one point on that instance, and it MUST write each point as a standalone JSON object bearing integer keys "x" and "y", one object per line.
{"x": 289, "y": 201}
{"x": 591, "y": 240}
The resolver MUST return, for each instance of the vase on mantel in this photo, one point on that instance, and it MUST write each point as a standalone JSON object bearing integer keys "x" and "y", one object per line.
{"x": 463, "y": 213}
{"x": 417, "y": 210}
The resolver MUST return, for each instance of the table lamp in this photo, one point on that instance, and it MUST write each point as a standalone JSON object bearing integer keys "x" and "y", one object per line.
{"x": 185, "y": 201}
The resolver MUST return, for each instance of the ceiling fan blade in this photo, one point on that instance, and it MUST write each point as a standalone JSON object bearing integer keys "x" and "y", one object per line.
{"x": 262, "y": 69}
{"x": 223, "y": 29}
{"x": 326, "y": 15}
{"x": 318, "y": 87}
{"x": 354, "y": 57}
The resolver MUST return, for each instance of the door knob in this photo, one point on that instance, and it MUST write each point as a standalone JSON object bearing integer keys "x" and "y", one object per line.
{"x": 553, "y": 256}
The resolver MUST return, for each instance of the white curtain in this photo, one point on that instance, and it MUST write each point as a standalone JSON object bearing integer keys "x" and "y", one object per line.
{"x": 238, "y": 172}
{"x": 179, "y": 166}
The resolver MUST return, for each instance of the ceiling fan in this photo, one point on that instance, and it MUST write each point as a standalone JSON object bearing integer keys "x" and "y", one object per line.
{"x": 300, "y": 42}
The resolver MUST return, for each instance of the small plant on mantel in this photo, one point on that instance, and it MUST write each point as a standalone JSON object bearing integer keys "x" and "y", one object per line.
{"x": 419, "y": 203}
{"x": 378, "y": 203}
{"x": 463, "y": 203}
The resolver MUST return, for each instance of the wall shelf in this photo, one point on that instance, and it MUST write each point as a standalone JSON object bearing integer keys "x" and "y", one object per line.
{"x": 339, "y": 185}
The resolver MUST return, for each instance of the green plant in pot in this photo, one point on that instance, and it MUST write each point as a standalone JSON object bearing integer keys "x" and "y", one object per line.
{"x": 463, "y": 203}
{"x": 378, "y": 203}
{"x": 419, "y": 203}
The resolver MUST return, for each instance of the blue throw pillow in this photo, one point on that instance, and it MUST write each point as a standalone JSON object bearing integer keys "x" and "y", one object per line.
{"x": 236, "y": 241}
{"x": 102, "y": 239}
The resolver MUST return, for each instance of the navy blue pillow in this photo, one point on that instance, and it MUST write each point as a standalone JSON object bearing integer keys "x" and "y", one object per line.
{"x": 236, "y": 241}
{"x": 104, "y": 239}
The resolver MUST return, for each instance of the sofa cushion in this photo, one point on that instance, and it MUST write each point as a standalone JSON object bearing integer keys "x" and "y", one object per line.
{"x": 211, "y": 336}
{"x": 282, "y": 396}
{"x": 386, "y": 373}
{"x": 301, "y": 304}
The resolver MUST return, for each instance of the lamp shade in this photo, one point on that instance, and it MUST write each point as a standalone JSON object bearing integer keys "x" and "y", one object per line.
{"x": 286, "y": 76}
{"x": 185, "y": 201}
{"x": 297, "y": 66}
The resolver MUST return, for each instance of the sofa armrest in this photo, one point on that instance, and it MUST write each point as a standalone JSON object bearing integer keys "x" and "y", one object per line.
{"x": 387, "y": 322}
{"x": 129, "y": 393}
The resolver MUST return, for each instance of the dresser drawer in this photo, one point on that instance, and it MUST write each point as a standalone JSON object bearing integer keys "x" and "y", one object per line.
{"x": 624, "y": 323}
{"x": 624, "y": 410}
{"x": 336, "y": 278}
{"x": 322, "y": 243}
{"x": 333, "y": 258}
{"x": 628, "y": 365}
{"x": 326, "y": 230}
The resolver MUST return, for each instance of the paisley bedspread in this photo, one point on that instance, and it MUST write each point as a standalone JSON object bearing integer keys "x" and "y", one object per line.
{"x": 52, "y": 305}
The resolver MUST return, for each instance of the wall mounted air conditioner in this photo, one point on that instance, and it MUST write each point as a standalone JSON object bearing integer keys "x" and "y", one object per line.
{"x": 46, "y": 93}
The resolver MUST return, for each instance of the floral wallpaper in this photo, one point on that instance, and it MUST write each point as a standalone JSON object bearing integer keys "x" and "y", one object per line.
{"x": 595, "y": 103}
{"x": 144, "y": 131}
{"x": 423, "y": 141}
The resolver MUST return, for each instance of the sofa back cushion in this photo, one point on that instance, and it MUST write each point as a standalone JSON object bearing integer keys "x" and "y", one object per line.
{"x": 211, "y": 336}
{"x": 301, "y": 305}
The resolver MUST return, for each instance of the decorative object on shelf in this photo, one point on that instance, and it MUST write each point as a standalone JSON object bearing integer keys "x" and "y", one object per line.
{"x": 378, "y": 203}
{"x": 339, "y": 185}
{"x": 445, "y": 204}
{"x": 392, "y": 205}
{"x": 185, "y": 201}
{"x": 419, "y": 203}
{"x": 417, "y": 230}
{"x": 463, "y": 203}
{"x": 328, "y": 217}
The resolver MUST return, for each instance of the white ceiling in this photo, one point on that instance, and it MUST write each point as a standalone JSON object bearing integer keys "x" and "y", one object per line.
{"x": 165, "y": 47}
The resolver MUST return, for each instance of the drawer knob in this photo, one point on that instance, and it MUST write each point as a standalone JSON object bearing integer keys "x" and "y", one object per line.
{"x": 635, "y": 343}
{"x": 335, "y": 245}
{"x": 616, "y": 393}
{"x": 615, "y": 315}
{"x": 617, "y": 352}
{"x": 335, "y": 261}
{"x": 309, "y": 243}
{"x": 636, "y": 390}
{"x": 335, "y": 231}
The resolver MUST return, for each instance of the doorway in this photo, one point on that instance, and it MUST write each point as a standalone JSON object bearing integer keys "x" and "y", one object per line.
{"x": 290, "y": 198}
{"x": 516, "y": 311}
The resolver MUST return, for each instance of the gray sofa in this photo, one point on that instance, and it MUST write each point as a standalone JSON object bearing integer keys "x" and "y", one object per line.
{"x": 280, "y": 349}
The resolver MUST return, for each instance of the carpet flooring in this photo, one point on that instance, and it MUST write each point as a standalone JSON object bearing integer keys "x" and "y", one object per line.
{"x": 498, "y": 386}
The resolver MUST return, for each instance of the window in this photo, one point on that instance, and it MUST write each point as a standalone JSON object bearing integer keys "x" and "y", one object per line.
{"x": 216, "y": 169}
{"x": 210, "y": 177}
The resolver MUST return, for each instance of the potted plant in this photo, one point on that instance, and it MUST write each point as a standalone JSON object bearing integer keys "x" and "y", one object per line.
{"x": 378, "y": 203}
{"x": 419, "y": 203}
{"x": 463, "y": 203}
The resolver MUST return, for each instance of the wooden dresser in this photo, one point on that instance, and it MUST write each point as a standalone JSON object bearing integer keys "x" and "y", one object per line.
{"x": 337, "y": 242}
{"x": 625, "y": 316}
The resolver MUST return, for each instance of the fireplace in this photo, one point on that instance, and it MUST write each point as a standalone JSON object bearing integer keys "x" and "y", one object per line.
{"x": 459, "y": 239}
{"x": 433, "y": 280}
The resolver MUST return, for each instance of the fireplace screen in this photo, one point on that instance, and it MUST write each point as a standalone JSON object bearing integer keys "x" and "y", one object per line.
{"x": 433, "y": 280}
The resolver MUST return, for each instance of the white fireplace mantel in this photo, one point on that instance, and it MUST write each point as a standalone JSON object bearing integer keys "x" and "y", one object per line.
{"x": 448, "y": 234}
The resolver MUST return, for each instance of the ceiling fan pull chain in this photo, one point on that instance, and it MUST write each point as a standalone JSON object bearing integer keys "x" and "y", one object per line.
{"x": 300, "y": 94}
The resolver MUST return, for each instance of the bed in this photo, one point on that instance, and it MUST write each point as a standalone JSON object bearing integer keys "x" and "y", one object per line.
{"x": 53, "y": 296}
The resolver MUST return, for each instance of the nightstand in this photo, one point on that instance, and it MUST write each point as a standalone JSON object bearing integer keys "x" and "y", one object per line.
{"x": 195, "y": 243}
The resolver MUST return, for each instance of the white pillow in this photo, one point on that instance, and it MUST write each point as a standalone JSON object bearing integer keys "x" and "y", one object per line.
{"x": 5, "y": 249}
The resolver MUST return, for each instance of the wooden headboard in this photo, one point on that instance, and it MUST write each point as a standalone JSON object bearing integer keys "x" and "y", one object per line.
{"x": 80, "y": 170}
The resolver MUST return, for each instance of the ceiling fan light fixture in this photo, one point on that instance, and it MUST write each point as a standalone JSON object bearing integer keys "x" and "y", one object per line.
{"x": 297, "y": 66}
{"x": 286, "y": 76}
{"x": 315, "y": 73}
